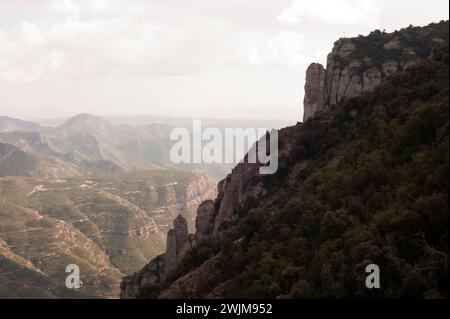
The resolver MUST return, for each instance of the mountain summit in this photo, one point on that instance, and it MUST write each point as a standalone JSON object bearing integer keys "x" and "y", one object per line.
{"x": 84, "y": 118}
{"x": 357, "y": 65}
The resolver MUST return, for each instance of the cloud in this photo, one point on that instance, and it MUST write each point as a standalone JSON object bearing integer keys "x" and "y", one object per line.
{"x": 101, "y": 55}
{"x": 335, "y": 12}
{"x": 281, "y": 49}
{"x": 84, "y": 39}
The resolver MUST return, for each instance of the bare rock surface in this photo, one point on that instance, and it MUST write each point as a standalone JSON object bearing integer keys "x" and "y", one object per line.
{"x": 357, "y": 65}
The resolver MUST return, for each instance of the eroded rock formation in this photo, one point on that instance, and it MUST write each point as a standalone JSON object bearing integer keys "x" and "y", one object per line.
{"x": 357, "y": 65}
{"x": 204, "y": 222}
{"x": 314, "y": 89}
{"x": 179, "y": 241}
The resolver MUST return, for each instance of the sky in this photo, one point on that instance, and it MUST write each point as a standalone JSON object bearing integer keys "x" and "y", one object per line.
{"x": 197, "y": 58}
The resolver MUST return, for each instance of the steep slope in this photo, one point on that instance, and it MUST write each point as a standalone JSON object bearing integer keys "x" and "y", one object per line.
{"x": 360, "y": 64}
{"x": 365, "y": 182}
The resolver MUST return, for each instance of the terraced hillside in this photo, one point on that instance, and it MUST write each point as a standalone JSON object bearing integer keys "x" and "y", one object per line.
{"x": 109, "y": 225}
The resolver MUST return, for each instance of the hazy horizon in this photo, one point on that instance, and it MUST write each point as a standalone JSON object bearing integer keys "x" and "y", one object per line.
{"x": 181, "y": 59}
{"x": 144, "y": 119}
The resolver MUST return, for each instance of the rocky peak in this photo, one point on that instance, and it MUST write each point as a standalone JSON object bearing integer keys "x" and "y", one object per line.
{"x": 314, "y": 89}
{"x": 181, "y": 232}
{"x": 177, "y": 244}
{"x": 357, "y": 65}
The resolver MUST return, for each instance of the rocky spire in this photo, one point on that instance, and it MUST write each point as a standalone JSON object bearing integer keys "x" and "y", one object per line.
{"x": 314, "y": 90}
{"x": 357, "y": 65}
{"x": 177, "y": 244}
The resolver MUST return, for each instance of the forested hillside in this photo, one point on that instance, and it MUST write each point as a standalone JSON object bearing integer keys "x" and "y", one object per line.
{"x": 365, "y": 182}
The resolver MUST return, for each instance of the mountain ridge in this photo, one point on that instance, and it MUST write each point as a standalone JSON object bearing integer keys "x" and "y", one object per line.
{"x": 364, "y": 181}
{"x": 360, "y": 64}
{"x": 12, "y": 124}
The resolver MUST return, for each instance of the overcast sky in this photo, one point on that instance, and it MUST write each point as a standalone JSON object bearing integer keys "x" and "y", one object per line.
{"x": 220, "y": 58}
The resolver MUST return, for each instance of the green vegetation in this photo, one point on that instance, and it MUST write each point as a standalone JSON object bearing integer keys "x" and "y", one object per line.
{"x": 374, "y": 190}
{"x": 370, "y": 49}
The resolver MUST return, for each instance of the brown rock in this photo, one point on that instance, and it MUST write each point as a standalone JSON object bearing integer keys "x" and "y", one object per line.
{"x": 204, "y": 223}
{"x": 236, "y": 193}
{"x": 181, "y": 236}
{"x": 390, "y": 67}
{"x": 393, "y": 44}
{"x": 353, "y": 69}
{"x": 170, "y": 257}
{"x": 151, "y": 274}
{"x": 314, "y": 90}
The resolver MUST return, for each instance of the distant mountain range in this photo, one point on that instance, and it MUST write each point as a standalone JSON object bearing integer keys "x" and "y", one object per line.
{"x": 87, "y": 144}
{"x": 90, "y": 193}
{"x": 12, "y": 124}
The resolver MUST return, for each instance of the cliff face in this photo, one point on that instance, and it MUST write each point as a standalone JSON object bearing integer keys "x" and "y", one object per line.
{"x": 240, "y": 191}
{"x": 357, "y": 65}
{"x": 176, "y": 199}
{"x": 179, "y": 241}
{"x": 308, "y": 230}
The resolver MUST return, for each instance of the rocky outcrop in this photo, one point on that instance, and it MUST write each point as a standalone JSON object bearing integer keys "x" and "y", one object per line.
{"x": 179, "y": 241}
{"x": 351, "y": 70}
{"x": 357, "y": 65}
{"x": 314, "y": 89}
{"x": 237, "y": 192}
{"x": 182, "y": 199}
{"x": 204, "y": 222}
{"x": 149, "y": 275}
{"x": 170, "y": 257}
{"x": 177, "y": 244}
{"x": 197, "y": 192}
{"x": 143, "y": 231}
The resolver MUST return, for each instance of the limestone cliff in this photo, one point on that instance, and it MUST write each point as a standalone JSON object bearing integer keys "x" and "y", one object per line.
{"x": 357, "y": 65}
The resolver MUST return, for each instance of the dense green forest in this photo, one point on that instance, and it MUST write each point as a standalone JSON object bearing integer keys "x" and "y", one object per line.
{"x": 374, "y": 189}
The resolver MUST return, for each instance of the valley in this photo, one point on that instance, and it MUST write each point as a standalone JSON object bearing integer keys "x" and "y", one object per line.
{"x": 109, "y": 225}
{"x": 82, "y": 193}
